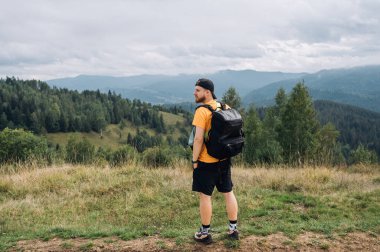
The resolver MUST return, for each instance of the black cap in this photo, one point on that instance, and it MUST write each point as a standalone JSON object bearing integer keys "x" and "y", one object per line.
{"x": 206, "y": 84}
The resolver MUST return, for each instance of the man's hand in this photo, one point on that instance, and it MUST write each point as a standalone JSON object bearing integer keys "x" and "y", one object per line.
{"x": 195, "y": 165}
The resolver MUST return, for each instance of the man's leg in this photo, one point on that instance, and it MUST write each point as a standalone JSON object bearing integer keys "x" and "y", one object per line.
{"x": 205, "y": 208}
{"x": 232, "y": 212}
{"x": 231, "y": 205}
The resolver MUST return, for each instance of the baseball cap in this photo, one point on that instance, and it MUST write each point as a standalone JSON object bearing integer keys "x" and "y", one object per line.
{"x": 206, "y": 84}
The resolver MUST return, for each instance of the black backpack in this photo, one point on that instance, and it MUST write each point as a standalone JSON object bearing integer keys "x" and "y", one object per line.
{"x": 226, "y": 137}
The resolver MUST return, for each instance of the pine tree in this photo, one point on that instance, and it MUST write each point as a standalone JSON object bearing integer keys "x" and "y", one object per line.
{"x": 253, "y": 133}
{"x": 232, "y": 98}
{"x": 3, "y": 121}
{"x": 298, "y": 127}
{"x": 281, "y": 100}
{"x": 327, "y": 145}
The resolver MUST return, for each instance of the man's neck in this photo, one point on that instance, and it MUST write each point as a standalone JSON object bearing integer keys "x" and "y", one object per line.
{"x": 208, "y": 101}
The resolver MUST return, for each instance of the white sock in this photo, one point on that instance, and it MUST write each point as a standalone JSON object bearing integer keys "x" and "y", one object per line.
{"x": 232, "y": 227}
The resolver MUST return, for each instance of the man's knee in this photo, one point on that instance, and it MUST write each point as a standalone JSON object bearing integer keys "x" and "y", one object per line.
{"x": 229, "y": 194}
{"x": 203, "y": 196}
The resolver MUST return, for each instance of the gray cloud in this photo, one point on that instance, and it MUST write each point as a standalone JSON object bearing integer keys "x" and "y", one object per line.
{"x": 49, "y": 39}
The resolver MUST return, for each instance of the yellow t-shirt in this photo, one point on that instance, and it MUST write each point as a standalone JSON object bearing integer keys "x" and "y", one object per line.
{"x": 202, "y": 119}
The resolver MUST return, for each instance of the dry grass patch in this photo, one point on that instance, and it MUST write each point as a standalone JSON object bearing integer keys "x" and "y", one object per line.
{"x": 133, "y": 201}
{"x": 314, "y": 181}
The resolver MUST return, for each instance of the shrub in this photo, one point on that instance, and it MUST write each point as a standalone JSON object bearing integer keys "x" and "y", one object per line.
{"x": 122, "y": 156}
{"x": 362, "y": 156}
{"x": 180, "y": 152}
{"x": 18, "y": 145}
{"x": 157, "y": 156}
{"x": 79, "y": 152}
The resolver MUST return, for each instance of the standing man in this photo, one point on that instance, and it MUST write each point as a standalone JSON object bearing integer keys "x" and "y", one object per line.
{"x": 210, "y": 172}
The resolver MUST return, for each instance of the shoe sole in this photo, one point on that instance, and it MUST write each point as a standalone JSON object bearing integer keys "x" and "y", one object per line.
{"x": 233, "y": 236}
{"x": 204, "y": 241}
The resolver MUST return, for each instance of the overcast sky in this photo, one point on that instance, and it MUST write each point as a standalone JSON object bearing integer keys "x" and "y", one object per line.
{"x": 47, "y": 39}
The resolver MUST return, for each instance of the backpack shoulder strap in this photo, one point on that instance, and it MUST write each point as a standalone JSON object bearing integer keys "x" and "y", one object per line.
{"x": 205, "y": 106}
{"x": 222, "y": 105}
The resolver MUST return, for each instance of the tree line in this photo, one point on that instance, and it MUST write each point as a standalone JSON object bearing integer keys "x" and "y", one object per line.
{"x": 33, "y": 105}
{"x": 357, "y": 126}
{"x": 19, "y": 146}
{"x": 290, "y": 133}
{"x": 287, "y": 133}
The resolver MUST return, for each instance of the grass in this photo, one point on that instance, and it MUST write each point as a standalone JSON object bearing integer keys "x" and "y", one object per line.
{"x": 171, "y": 119}
{"x": 113, "y": 136}
{"x": 67, "y": 245}
{"x": 131, "y": 202}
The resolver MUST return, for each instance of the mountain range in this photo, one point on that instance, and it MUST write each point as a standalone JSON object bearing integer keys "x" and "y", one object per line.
{"x": 172, "y": 89}
{"x": 358, "y": 86}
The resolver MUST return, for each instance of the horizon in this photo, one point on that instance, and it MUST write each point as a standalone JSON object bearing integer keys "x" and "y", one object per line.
{"x": 188, "y": 74}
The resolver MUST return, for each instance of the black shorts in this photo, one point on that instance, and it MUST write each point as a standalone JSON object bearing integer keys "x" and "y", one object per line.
{"x": 209, "y": 175}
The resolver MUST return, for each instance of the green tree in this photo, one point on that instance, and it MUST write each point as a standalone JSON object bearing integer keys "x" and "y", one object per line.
{"x": 79, "y": 151}
{"x": 122, "y": 156}
{"x": 232, "y": 98}
{"x": 327, "y": 149}
{"x": 156, "y": 157}
{"x": 253, "y": 134}
{"x": 272, "y": 151}
{"x": 52, "y": 117}
{"x": 35, "y": 124}
{"x": 3, "y": 121}
{"x": 362, "y": 155}
{"x": 18, "y": 145}
{"x": 298, "y": 127}
{"x": 281, "y": 100}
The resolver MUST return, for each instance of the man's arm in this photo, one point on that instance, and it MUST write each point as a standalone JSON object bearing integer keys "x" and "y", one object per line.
{"x": 197, "y": 145}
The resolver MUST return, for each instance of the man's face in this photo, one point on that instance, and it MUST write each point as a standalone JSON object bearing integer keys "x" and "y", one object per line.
{"x": 199, "y": 94}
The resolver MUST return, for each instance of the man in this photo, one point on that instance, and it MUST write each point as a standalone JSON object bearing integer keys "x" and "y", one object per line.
{"x": 210, "y": 172}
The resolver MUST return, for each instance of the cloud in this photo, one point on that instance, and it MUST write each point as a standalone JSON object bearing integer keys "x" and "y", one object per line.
{"x": 50, "y": 39}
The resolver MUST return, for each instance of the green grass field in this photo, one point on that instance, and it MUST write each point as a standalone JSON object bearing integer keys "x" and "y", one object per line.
{"x": 113, "y": 136}
{"x": 132, "y": 202}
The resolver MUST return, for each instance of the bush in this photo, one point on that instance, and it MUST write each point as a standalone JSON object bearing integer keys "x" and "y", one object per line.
{"x": 180, "y": 152}
{"x": 122, "y": 156}
{"x": 362, "y": 156}
{"x": 157, "y": 156}
{"x": 82, "y": 152}
{"x": 18, "y": 145}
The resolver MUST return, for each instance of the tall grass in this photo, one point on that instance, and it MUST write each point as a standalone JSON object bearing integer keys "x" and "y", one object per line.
{"x": 133, "y": 201}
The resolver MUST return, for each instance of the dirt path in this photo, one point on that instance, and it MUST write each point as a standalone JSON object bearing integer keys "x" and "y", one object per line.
{"x": 275, "y": 242}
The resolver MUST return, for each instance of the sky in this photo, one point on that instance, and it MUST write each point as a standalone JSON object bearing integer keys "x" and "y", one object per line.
{"x": 47, "y": 39}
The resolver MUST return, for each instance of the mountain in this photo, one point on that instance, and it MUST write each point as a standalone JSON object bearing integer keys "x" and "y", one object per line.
{"x": 359, "y": 86}
{"x": 356, "y": 125}
{"x": 172, "y": 89}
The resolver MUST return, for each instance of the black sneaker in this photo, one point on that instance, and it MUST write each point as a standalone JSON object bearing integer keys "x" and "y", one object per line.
{"x": 203, "y": 237}
{"x": 233, "y": 234}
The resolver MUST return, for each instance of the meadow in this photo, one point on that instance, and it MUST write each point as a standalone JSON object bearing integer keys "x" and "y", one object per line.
{"x": 133, "y": 201}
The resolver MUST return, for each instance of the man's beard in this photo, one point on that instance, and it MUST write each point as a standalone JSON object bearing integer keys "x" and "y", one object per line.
{"x": 200, "y": 100}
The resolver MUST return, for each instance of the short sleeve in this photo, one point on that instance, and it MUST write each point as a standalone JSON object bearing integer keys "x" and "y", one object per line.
{"x": 200, "y": 118}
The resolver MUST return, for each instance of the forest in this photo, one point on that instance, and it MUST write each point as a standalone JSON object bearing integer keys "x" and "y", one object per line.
{"x": 295, "y": 131}
{"x": 33, "y": 105}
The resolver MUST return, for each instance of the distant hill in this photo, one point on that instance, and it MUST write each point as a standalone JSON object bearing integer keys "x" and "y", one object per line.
{"x": 356, "y": 125}
{"x": 359, "y": 86}
{"x": 105, "y": 119}
{"x": 172, "y": 89}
